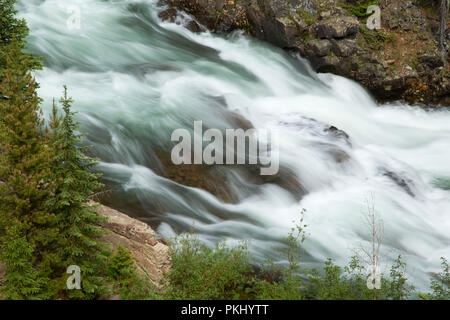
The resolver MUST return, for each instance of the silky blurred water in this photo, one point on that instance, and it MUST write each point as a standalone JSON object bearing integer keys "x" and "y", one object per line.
{"x": 135, "y": 79}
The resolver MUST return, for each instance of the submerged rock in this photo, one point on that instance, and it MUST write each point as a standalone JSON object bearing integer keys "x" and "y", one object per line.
{"x": 171, "y": 15}
{"x": 229, "y": 183}
{"x": 401, "y": 182}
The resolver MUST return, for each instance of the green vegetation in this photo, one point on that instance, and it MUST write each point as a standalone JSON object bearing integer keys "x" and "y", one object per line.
{"x": 376, "y": 39}
{"x": 26, "y": 182}
{"x": 45, "y": 218}
{"x": 13, "y": 30}
{"x": 308, "y": 17}
{"x": 46, "y": 222}
{"x": 11, "y": 27}
{"x": 204, "y": 274}
{"x": 351, "y": 283}
{"x": 201, "y": 273}
{"x": 127, "y": 282}
{"x": 290, "y": 283}
{"x": 440, "y": 285}
{"x": 227, "y": 273}
{"x": 285, "y": 283}
{"x": 359, "y": 9}
{"x": 77, "y": 221}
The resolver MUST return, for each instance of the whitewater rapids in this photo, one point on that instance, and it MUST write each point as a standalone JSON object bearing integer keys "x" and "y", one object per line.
{"x": 135, "y": 79}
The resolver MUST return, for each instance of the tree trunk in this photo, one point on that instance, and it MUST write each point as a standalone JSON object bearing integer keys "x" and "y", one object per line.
{"x": 442, "y": 28}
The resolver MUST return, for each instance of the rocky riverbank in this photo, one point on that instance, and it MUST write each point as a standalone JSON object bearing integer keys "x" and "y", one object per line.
{"x": 401, "y": 61}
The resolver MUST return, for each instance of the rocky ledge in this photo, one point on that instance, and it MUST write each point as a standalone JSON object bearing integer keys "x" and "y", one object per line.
{"x": 151, "y": 256}
{"x": 401, "y": 61}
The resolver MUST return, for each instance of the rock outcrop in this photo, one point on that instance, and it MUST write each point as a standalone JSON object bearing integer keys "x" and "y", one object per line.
{"x": 151, "y": 256}
{"x": 399, "y": 62}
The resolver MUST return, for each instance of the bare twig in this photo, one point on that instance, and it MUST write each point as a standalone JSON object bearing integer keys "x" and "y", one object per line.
{"x": 370, "y": 256}
{"x": 97, "y": 195}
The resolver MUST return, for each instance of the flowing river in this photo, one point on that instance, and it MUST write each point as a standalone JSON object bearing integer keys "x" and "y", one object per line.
{"x": 135, "y": 79}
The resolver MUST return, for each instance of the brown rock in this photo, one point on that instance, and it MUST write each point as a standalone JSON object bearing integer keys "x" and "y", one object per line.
{"x": 168, "y": 15}
{"x": 193, "y": 26}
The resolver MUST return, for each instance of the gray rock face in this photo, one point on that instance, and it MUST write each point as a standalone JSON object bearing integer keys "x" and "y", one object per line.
{"x": 334, "y": 40}
{"x": 280, "y": 8}
{"x": 345, "y": 47}
{"x": 277, "y": 21}
{"x": 281, "y": 32}
{"x": 336, "y": 27}
{"x": 319, "y": 48}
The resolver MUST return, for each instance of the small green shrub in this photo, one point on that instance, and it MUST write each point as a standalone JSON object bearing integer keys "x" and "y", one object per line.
{"x": 120, "y": 265}
{"x": 127, "y": 282}
{"x": 359, "y": 9}
{"x": 396, "y": 287}
{"x": 289, "y": 285}
{"x": 308, "y": 17}
{"x": 289, "y": 289}
{"x": 440, "y": 285}
{"x": 201, "y": 273}
{"x": 350, "y": 283}
{"x": 376, "y": 39}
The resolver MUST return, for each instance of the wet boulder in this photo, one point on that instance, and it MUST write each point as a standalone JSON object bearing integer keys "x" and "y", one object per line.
{"x": 168, "y": 15}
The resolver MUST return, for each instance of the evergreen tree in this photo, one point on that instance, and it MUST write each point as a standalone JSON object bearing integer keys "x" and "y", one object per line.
{"x": 79, "y": 233}
{"x": 23, "y": 281}
{"x": 10, "y": 26}
{"x": 13, "y": 30}
{"x": 25, "y": 178}
{"x": 46, "y": 222}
